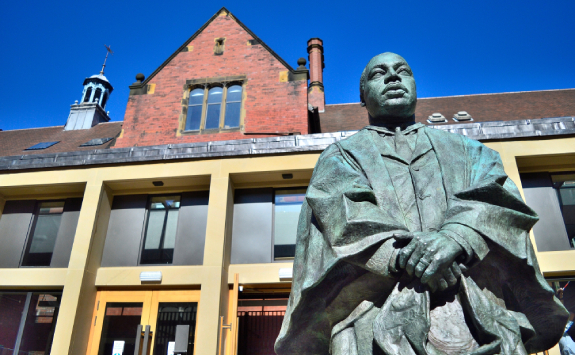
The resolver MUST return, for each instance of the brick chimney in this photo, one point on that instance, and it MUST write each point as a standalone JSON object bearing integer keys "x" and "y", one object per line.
{"x": 315, "y": 93}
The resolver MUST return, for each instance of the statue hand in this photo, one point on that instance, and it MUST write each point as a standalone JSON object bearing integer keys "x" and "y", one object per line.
{"x": 430, "y": 256}
{"x": 447, "y": 279}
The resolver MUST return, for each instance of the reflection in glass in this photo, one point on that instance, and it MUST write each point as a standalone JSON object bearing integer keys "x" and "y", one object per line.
{"x": 169, "y": 316}
{"x": 120, "y": 323}
{"x": 565, "y": 187}
{"x": 260, "y": 321}
{"x": 11, "y": 308}
{"x": 214, "y": 108}
{"x": 195, "y": 103}
{"x": 161, "y": 227}
{"x": 233, "y": 106}
{"x": 33, "y": 326}
{"x": 286, "y": 214}
{"x": 44, "y": 233}
{"x": 565, "y": 291}
{"x": 40, "y": 324}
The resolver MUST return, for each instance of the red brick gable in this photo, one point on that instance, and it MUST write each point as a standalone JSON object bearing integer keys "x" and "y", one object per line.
{"x": 273, "y": 104}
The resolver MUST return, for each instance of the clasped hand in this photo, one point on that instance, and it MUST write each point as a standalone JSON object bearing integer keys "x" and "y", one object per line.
{"x": 430, "y": 256}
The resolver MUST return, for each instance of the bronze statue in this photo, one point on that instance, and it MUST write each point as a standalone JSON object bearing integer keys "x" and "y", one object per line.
{"x": 413, "y": 240}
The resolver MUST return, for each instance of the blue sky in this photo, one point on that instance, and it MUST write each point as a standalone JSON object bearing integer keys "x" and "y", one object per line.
{"x": 454, "y": 47}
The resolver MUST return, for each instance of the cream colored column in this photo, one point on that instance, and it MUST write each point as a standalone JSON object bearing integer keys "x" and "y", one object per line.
{"x": 512, "y": 170}
{"x": 73, "y": 326}
{"x": 2, "y": 203}
{"x": 214, "y": 278}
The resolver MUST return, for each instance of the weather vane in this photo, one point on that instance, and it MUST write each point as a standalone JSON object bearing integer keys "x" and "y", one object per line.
{"x": 109, "y": 51}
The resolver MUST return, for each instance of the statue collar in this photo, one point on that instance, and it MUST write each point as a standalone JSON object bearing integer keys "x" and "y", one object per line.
{"x": 391, "y": 131}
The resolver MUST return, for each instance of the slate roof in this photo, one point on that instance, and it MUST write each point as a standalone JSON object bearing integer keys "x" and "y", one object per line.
{"x": 483, "y": 108}
{"x": 484, "y": 131}
{"x": 496, "y": 116}
{"x": 16, "y": 141}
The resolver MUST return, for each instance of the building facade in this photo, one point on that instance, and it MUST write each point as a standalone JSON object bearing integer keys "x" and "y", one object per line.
{"x": 113, "y": 234}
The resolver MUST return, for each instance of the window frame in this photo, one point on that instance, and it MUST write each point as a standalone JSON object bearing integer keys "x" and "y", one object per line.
{"x": 145, "y": 229}
{"x": 275, "y": 189}
{"x": 87, "y": 94}
{"x": 557, "y": 189}
{"x": 32, "y": 229}
{"x": 23, "y": 321}
{"x": 206, "y": 86}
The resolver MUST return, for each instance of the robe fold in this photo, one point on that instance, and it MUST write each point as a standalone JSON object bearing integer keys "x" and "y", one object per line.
{"x": 345, "y": 238}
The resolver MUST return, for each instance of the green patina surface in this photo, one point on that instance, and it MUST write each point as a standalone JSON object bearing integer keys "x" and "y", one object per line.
{"x": 414, "y": 241}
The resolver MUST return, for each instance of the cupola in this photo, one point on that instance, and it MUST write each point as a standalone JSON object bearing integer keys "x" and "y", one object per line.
{"x": 97, "y": 89}
{"x": 90, "y": 110}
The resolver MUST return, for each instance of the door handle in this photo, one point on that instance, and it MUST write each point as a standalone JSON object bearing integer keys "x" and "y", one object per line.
{"x": 145, "y": 342}
{"x": 138, "y": 338}
{"x": 222, "y": 327}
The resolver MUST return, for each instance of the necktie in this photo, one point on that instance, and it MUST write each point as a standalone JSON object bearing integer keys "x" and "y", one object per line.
{"x": 401, "y": 146}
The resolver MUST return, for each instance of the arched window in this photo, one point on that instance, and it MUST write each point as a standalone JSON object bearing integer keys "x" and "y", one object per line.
{"x": 103, "y": 104}
{"x": 87, "y": 95}
{"x": 195, "y": 103}
{"x": 214, "y": 108}
{"x": 97, "y": 95}
{"x": 233, "y": 106}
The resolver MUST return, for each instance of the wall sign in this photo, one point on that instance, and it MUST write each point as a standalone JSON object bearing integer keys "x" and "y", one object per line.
{"x": 118, "y": 348}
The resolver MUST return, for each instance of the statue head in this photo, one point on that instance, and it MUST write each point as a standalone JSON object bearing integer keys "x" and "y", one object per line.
{"x": 387, "y": 89}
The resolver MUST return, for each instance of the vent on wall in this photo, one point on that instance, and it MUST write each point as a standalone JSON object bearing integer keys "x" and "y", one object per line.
{"x": 219, "y": 46}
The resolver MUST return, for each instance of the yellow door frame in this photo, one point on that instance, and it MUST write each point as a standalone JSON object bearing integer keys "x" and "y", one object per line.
{"x": 150, "y": 300}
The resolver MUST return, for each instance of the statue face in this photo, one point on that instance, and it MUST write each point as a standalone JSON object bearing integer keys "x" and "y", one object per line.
{"x": 389, "y": 89}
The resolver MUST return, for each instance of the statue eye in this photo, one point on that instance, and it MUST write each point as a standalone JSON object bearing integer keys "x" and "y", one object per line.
{"x": 404, "y": 71}
{"x": 377, "y": 73}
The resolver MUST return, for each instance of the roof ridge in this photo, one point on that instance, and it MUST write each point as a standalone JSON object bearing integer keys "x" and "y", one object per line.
{"x": 122, "y": 121}
{"x": 349, "y": 103}
{"x": 497, "y": 93}
{"x": 494, "y": 93}
{"x": 23, "y": 129}
{"x": 201, "y": 29}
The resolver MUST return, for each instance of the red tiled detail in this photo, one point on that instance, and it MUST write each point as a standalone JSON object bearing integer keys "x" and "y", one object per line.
{"x": 271, "y": 106}
{"x": 483, "y": 108}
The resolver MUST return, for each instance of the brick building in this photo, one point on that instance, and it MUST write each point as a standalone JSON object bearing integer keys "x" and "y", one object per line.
{"x": 113, "y": 235}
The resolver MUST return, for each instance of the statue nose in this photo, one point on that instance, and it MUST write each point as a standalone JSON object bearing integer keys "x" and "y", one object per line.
{"x": 392, "y": 77}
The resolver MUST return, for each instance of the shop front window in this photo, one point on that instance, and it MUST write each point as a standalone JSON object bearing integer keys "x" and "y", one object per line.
{"x": 27, "y": 322}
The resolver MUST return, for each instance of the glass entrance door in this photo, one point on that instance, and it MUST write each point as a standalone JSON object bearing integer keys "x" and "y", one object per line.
{"x": 122, "y": 320}
{"x": 170, "y": 309}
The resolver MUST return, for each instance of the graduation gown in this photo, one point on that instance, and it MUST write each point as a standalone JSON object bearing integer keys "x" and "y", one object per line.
{"x": 345, "y": 240}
